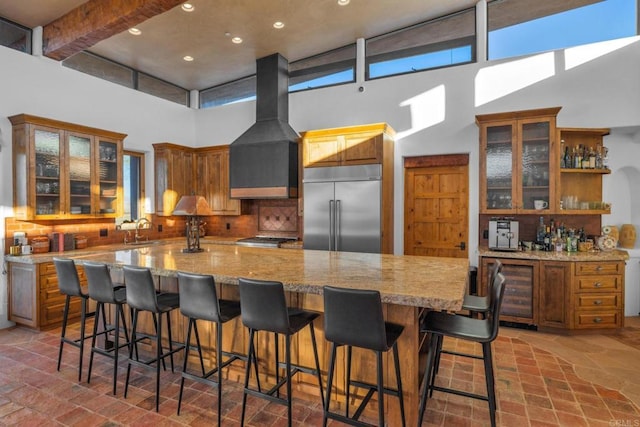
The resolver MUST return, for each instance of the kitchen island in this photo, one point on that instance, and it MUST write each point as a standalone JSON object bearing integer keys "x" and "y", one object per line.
{"x": 408, "y": 284}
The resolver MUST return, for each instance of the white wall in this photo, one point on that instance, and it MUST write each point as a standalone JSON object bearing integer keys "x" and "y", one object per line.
{"x": 432, "y": 112}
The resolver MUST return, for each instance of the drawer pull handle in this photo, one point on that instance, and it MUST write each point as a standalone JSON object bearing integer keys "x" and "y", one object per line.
{"x": 599, "y": 268}
{"x": 597, "y": 320}
{"x": 597, "y": 302}
{"x": 597, "y": 285}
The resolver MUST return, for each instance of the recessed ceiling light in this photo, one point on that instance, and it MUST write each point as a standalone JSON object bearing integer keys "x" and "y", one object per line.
{"x": 278, "y": 25}
{"x": 236, "y": 40}
{"x": 343, "y": 2}
{"x": 188, "y": 58}
{"x": 188, "y": 7}
{"x": 135, "y": 31}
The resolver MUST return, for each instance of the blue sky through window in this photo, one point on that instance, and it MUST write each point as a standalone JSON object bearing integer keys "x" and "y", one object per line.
{"x": 420, "y": 62}
{"x": 605, "y": 20}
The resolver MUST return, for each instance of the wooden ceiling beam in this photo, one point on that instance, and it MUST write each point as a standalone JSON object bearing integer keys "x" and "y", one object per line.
{"x": 97, "y": 20}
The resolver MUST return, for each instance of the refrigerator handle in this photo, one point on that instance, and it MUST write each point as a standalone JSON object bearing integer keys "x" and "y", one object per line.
{"x": 337, "y": 232}
{"x": 331, "y": 227}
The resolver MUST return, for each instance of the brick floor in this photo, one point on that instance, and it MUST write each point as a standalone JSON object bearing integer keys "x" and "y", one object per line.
{"x": 534, "y": 388}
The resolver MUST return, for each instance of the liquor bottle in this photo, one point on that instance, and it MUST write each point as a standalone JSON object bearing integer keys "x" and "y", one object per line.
{"x": 599, "y": 164}
{"x": 547, "y": 239}
{"x": 592, "y": 158}
{"x": 577, "y": 158}
{"x": 585, "y": 158}
{"x": 540, "y": 232}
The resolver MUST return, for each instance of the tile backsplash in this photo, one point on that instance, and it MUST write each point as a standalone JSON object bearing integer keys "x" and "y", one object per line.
{"x": 274, "y": 217}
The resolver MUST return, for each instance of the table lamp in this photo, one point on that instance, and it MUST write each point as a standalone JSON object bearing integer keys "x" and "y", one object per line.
{"x": 192, "y": 207}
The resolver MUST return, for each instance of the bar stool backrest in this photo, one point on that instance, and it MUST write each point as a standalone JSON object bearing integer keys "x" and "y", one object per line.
{"x": 141, "y": 292}
{"x": 354, "y": 317}
{"x": 496, "y": 268}
{"x": 263, "y": 306}
{"x": 99, "y": 280}
{"x": 68, "y": 281}
{"x": 497, "y": 295}
{"x": 198, "y": 297}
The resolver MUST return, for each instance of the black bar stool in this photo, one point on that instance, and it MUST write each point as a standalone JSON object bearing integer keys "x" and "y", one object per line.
{"x": 264, "y": 308}
{"x": 142, "y": 296}
{"x": 484, "y": 331}
{"x": 103, "y": 291}
{"x": 69, "y": 285}
{"x": 354, "y": 318}
{"x": 476, "y": 304}
{"x": 199, "y": 301}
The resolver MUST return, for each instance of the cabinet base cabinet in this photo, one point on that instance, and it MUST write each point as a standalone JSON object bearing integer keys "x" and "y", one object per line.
{"x": 34, "y": 298}
{"x": 561, "y": 295}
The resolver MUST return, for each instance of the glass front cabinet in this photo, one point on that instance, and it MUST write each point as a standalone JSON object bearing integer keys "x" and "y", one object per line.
{"x": 518, "y": 160}
{"x": 64, "y": 171}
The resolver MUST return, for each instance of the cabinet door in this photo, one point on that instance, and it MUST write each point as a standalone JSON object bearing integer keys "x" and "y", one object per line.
{"x": 78, "y": 179}
{"x": 536, "y": 165}
{"x": 554, "y": 309}
{"x": 497, "y": 166}
{"x": 173, "y": 176}
{"x": 362, "y": 149}
{"x": 322, "y": 151}
{"x": 108, "y": 199}
{"x": 48, "y": 187}
{"x": 212, "y": 181}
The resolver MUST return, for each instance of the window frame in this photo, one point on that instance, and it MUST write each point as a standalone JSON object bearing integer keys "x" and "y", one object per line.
{"x": 449, "y": 44}
{"x": 141, "y": 182}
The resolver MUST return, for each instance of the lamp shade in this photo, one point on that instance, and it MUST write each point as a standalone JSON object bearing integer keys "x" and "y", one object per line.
{"x": 192, "y": 206}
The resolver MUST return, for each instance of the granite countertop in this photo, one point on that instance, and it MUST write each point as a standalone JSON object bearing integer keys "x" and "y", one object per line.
{"x": 438, "y": 283}
{"x": 614, "y": 255}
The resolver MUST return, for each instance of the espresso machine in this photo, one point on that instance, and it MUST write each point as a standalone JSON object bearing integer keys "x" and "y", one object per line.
{"x": 503, "y": 234}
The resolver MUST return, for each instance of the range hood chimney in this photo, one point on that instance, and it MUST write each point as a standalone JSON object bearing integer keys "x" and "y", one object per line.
{"x": 263, "y": 161}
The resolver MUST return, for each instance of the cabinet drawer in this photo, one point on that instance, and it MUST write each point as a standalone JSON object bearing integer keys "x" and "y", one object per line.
{"x": 594, "y": 319}
{"x": 48, "y": 282}
{"x": 47, "y": 295}
{"x": 593, "y": 301}
{"x": 598, "y": 283}
{"x": 47, "y": 268}
{"x": 585, "y": 268}
{"x": 51, "y": 314}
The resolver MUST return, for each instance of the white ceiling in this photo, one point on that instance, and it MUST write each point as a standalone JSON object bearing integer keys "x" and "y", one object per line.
{"x": 311, "y": 27}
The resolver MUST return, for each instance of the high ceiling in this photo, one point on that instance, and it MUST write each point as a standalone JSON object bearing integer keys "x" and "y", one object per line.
{"x": 310, "y": 27}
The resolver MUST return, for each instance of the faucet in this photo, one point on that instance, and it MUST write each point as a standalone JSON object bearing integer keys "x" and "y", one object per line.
{"x": 127, "y": 237}
{"x": 139, "y": 222}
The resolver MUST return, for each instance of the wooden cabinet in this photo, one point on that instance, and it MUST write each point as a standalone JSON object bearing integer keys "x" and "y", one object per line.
{"x": 174, "y": 175}
{"x": 34, "y": 298}
{"x": 181, "y": 170}
{"x": 521, "y": 292}
{"x": 583, "y": 184}
{"x": 63, "y": 171}
{"x": 569, "y": 295}
{"x": 212, "y": 180}
{"x": 356, "y": 145}
{"x": 518, "y": 161}
{"x": 598, "y": 296}
{"x": 554, "y": 310}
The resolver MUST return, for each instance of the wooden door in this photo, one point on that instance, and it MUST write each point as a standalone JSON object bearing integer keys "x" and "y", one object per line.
{"x": 436, "y": 206}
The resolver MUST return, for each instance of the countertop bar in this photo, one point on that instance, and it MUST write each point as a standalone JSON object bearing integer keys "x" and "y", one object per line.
{"x": 437, "y": 283}
{"x": 614, "y": 255}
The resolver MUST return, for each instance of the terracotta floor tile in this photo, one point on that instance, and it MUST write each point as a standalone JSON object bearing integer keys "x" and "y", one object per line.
{"x": 535, "y": 387}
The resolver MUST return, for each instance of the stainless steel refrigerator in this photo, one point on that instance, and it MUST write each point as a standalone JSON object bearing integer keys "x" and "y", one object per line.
{"x": 342, "y": 208}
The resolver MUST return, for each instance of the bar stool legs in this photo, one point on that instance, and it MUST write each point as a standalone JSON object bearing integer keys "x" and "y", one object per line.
{"x": 78, "y": 342}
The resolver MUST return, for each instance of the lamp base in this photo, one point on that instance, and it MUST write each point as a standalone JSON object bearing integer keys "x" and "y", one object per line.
{"x": 192, "y": 250}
